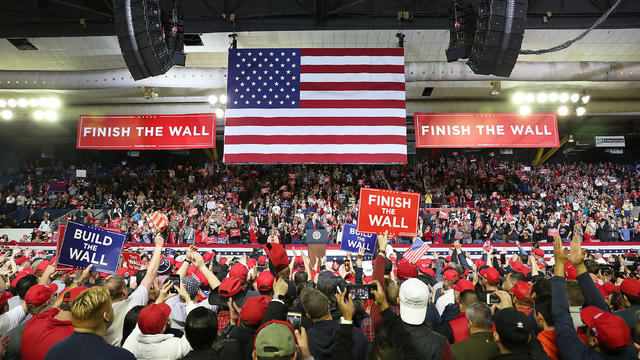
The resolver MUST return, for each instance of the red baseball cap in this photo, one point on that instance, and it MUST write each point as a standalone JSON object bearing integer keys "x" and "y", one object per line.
{"x": 630, "y": 287}
{"x": 223, "y": 261}
{"x": 463, "y": 284}
{"x": 251, "y": 263}
{"x": 607, "y": 288}
{"x": 522, "y": 291}
{"x": 451, "y": 275}
{"x": 265, "y": 281}
{"x": 570, "y": 272}
{"x": 239, "y": 271}
{"x": 407, "y": 270}
{"x": 254, "y": 309}
{"x": 123, "y": 271}
{"x": 230, "y": 286}
{"x": 423, "y": 265}
{"x": 4, "y": 299}
{"x": 203, "y": 279}
{"x": 153, "y": 318}
{"x": 538, "y": 252}
{"x": 71, "y": 294}
{"x": 207, "y": 256}
{"x": 41, "y": 266}
{"x": 39, "y": 294}
{"x": 491, "y": 275}
{"x": 19, "y": 276}
{"x": 610, "y": 331}
{"x": 21, "y": 259}
{"x": 262, "y": 260}
{"x": 278, "y": 257}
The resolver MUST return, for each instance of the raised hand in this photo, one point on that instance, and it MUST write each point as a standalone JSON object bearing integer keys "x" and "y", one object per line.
{"x": 577, "y": 253}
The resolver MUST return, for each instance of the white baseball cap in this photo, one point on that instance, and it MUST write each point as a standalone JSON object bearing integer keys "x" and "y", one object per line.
{"x": 414, "y": 298}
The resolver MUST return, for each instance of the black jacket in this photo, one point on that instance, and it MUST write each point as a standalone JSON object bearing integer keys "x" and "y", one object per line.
{"x": 322, "y": 339}
{"x": 429, "y": 344}
{"x": 204, "y": 354}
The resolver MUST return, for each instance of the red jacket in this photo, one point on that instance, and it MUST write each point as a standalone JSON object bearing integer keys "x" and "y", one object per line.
{"x": 459, "y": 328}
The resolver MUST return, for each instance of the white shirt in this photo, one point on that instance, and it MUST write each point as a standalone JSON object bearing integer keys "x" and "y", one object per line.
{"x": 120, "y": 309}
{"x": 157, "y": 346}
{"x": 444, "y": 300}
{"x": 45, "y": 226}
{"x": 11, "y": 319}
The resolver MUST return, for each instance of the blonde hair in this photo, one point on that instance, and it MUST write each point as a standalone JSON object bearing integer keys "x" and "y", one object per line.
{"x": 85, "y": 305}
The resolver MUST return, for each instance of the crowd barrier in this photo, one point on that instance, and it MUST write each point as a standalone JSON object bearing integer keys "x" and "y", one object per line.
{"x": 333, "y": 250}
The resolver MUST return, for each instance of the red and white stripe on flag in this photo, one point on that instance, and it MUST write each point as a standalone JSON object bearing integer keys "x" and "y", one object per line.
{"x": 413, "y": 255}
{"x": 351, "y": 110}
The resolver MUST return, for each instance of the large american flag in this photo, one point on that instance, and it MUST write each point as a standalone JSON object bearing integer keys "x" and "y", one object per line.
{"x": 315, "y": 106}
{"x": 416, "y": 251}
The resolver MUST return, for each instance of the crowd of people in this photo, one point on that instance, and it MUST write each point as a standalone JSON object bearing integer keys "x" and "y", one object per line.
{"x": 268, "y": 305}
{"x": 462, "y": 198}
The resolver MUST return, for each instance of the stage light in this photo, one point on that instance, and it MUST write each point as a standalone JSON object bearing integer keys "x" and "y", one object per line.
{"x": 219, "y": 113}
{"x": 12, "y": 102}
{"x": 553, "y": 97}
{"x": 529, "y": 98}
{"x": 3, "y": 103}
{"x": 571, "y": 139}
{"x": 34, "y": 102}
{"x": 525, "y": 110}
{"x": 564, "y": 97}
{"x": 50, "y": 115}
{"x": 581, "y": 111}
{"x": 7, "y": 114}
{"x": 542, "y": 98}
{"x": 23, "y": 102}
{"x": 38, "y": 115}
{"x": 223, "y": 99}
{"x": 44, "y": 102}
{"x": 213, "y": 99}
{"x": 563, "y": 110}
{"x": 585, "y": 99}
{"x": 575, "y": 97}
{"x": 54, "y": 102}
{"x": 518, "y": 98}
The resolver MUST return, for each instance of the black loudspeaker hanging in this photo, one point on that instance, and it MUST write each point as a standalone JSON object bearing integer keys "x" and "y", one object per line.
{"x": 499, "y": 31}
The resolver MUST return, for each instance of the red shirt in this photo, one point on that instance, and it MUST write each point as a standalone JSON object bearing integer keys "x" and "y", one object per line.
{"x": 41, "y": 332}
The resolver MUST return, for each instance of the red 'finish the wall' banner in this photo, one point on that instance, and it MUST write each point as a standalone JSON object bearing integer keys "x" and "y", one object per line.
{"x": 146, "y": 132}
{"x": 476, "y": 130}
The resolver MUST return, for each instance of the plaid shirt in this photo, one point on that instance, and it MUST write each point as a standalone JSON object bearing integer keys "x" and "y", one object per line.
{"x": 367, "y": 326}
{"x": 223, "y": 319}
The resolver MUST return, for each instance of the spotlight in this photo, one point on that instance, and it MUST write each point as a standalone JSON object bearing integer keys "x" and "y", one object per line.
{"x": 219, "y": 113}
{"x": 581, "y": 111}
{"x": 223, "y": 99}
{"x": 55, "y": 102}
{"x": 23, "y": 102}
{"x": 50, "y": 115}
{"x": 564, "y": 97}
{"x": 34, "y": 102}
{"x": 213, "y": 99}
{"x": 518, "y": 98}
{"x": 585, "y": 99}
{"x": 12, "y": 102}
{"x": 7, "y": 114}
{"x": 553, "y": 97}
{"x": 563, "y": 110}
{"x": 38, "y": 115}
{"x": 571, "y": 138}
{"x": 530, "y": 97}
{"x": 525, "y": 110}
{"x": 542, "y": 98}
{"x": 44, "y": 102}
{"x": 3, "y": 103}
{"x": 575, "y": 97}
{"x": 400, "y": 37}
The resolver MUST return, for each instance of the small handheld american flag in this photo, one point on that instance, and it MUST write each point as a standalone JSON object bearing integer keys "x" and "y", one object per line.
{"x": 416, "y": 251}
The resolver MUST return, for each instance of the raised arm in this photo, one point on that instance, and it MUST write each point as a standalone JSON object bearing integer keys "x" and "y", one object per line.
{"x": 198, "y": 262}
{"x": 154, "y": 263}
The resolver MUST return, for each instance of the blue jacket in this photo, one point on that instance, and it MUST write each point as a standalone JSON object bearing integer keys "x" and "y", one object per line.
{"x": 570, "y": 345}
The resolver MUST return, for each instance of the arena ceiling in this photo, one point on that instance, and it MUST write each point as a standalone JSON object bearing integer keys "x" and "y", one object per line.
{"x": 64, "y": 45}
